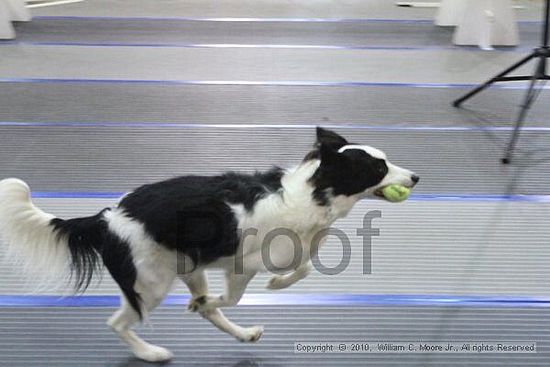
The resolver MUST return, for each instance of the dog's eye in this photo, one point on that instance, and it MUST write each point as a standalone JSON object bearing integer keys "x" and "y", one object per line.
{"x": 380, "y": 167}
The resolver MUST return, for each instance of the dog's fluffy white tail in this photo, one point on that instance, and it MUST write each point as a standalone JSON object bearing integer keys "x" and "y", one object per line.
{"x": 50, "y": 247}
{"x": 28, "y": 232}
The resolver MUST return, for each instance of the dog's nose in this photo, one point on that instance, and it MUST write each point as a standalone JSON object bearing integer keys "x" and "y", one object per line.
{"x": 415, "y": 179}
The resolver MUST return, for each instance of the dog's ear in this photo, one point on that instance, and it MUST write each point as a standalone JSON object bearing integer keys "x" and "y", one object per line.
{"x": 330, "y": 156}
{"x": 330, "y": 139}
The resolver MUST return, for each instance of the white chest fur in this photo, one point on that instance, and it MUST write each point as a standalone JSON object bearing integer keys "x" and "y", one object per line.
{"x": 286, "y": 228}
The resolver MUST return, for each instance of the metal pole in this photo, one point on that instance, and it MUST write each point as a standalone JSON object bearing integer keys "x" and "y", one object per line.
{"x": 546, "y": 23}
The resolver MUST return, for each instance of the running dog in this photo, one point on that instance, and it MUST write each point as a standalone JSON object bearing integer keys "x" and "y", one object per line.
{"x": 183, "y": 226}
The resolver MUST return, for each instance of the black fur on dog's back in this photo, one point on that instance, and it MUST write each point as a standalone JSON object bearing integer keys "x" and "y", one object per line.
{"x": 192, "y": 214}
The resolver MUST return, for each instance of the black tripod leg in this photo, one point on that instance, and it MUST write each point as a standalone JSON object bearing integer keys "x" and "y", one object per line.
{"x": 529, "y": 98}
{"x": 483, "y": 86}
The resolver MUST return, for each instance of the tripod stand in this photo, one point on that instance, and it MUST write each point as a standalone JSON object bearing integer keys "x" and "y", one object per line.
{"x": 540, "y": 54}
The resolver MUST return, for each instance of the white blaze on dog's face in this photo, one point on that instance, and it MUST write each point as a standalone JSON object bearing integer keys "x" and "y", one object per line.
{"x": 394, "y": 175}
{"x": 355, "y": 170}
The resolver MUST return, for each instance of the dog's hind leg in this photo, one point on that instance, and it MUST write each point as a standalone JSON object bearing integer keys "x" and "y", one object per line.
{"x": 152, "y": 292}
{"x": 198, "y": 286}
{"x": 121, "y": 322}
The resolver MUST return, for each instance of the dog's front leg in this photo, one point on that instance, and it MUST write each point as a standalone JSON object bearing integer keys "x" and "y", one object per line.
{"x": 198, "y": 286}
{"x": 235, "y": 285}
{"x": 286, "y": 280}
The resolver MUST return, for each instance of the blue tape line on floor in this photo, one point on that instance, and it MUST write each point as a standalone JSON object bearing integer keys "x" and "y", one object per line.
{"x": 281, "y": 83}
{"x": 236, "y": 45}
{"x": 256, "y": 20}
{"x": 76, "y": 195}
{"x": 292, "y": 300}
{"x": 413, "y": 197}
{"x": 235, "y": 19}
{"x": 151, "y": 124}
{"x": 269, "y": 46}
{"x": 289, "y": 83}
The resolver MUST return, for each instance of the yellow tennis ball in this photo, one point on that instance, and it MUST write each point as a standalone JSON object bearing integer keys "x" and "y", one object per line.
{"x": 396, "y": 193}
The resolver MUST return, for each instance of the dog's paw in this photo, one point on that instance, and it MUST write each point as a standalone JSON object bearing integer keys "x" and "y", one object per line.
{"x": 277, "y": 282}
{"x": 252, "y": 334}
{"x": 153, "y": 353}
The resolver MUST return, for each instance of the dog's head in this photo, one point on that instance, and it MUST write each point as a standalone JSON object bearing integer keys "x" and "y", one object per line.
{"x": 353, "y": 169}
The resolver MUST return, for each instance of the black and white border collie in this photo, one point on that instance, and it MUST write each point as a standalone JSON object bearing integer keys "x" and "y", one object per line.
{"x": 199, "y": 222}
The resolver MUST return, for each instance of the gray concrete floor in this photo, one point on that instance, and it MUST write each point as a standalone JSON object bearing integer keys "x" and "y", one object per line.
{"x": 138, "y": 111}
